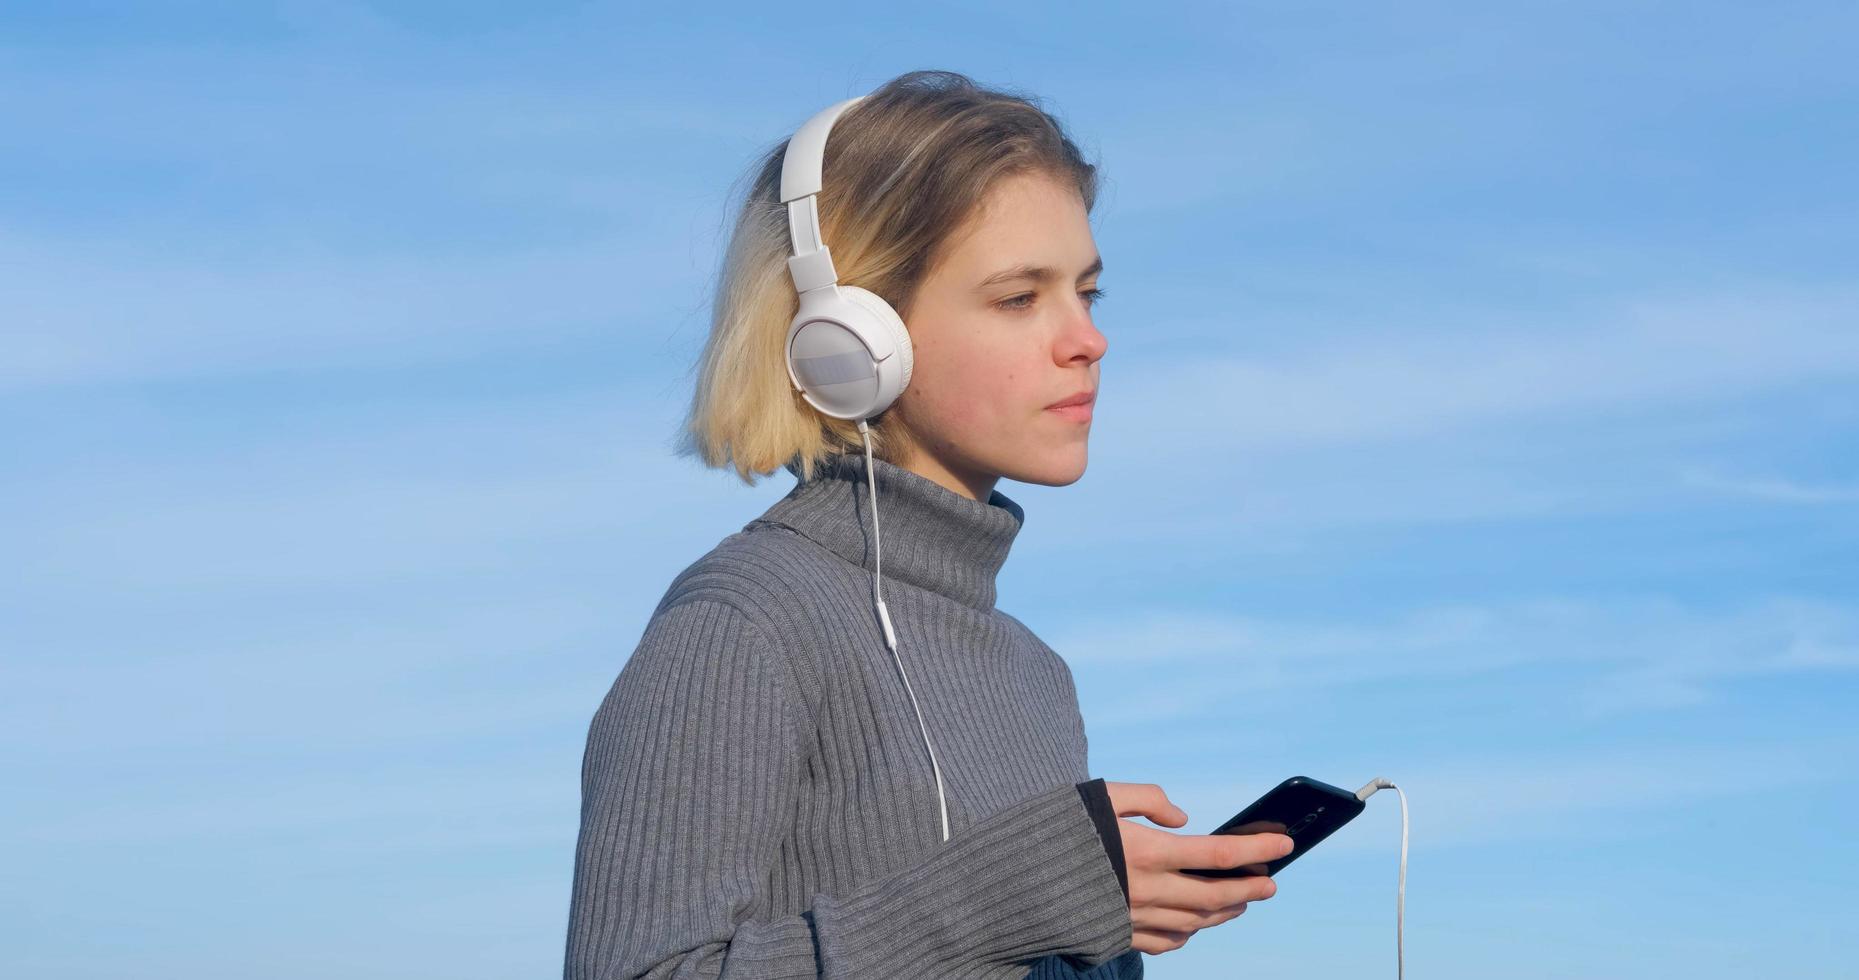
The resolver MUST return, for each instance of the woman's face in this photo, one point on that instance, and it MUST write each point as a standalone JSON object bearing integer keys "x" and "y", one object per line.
{"x": 1001, "y": 329}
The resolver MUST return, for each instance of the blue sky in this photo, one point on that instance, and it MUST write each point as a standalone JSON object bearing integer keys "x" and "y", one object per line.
{"x": 1480, "y": 412}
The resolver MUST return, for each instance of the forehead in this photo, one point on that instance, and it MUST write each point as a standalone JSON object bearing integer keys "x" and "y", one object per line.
{"x": 1026, "y": 218}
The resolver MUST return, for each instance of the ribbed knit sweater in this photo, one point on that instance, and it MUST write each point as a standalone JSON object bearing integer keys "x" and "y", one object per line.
{"x": 757, "y": 800}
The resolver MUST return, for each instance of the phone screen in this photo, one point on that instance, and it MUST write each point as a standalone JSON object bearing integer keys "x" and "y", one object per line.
{"x": 1301, "y": 808}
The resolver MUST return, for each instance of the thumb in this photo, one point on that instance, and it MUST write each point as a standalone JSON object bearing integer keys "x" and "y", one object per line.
{"x": 1173, "y": 816}
{"x": 1146, "y": 800}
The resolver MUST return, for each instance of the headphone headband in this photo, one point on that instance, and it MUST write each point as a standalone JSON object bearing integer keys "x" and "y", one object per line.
{"x": 806, "y": 152}
{"x": 801, "y": 167}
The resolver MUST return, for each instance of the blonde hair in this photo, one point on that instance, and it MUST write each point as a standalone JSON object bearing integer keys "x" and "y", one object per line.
{"x": 904, "y": 170}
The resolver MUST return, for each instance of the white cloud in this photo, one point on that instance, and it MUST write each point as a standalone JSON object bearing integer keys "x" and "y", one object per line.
{"x": 1434, "y": 428}
{"x": 1396, "y": 381}
{"x": 1631, "y": 654}
{"x": 438, "y": 494}
{"x": 1773, "y": 489}
{"x": 102, "y": 313}
{"x": 436, "y": 805}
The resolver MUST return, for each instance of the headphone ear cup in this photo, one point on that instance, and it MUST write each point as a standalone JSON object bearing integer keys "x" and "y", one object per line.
{"x": 829, "y": 352}
{"x": 886, "y": 319}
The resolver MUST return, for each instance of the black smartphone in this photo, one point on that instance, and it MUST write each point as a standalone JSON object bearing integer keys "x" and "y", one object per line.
{"x": 1301, "y": 808}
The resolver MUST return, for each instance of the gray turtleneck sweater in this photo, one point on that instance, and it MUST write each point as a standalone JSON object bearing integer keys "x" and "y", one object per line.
{"x": 757, "y": 800}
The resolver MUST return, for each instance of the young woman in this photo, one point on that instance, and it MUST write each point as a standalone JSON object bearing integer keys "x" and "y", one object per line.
{"x": 830, "y": 754}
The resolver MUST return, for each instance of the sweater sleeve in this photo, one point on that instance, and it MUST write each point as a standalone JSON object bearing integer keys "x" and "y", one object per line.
{"x": 1096, "y": 796}
{"x": 689, "y": 788}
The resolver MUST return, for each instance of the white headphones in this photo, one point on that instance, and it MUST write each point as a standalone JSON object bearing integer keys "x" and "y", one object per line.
{"x": 848, "y": 353}
{"x": 847, "y": 350}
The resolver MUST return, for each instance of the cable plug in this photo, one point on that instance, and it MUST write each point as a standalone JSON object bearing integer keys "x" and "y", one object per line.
{"x": 1378, "y": 783}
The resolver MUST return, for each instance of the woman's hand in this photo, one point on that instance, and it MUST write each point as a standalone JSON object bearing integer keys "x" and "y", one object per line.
{"x": 1166, "y": 905}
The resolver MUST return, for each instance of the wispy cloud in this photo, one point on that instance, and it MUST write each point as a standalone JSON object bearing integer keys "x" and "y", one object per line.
{"x": 1773, "y": 489}
{"x": 112, "y": 313}
{"x": 1399, "y": 379}
{"x": 1408, "y": 425}
{"x": 431, "y": 496}
{"x": 1628, "y": 654}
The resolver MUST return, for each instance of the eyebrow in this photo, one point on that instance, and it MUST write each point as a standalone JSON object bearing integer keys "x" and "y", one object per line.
{"x": 1038, "y": 273}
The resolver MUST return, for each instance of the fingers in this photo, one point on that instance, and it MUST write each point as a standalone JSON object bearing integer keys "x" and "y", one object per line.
{"x": 1196, "y": 895}
{"x": 1169, "y": 905}
{"x": 1182, "y": 920}
{"x": 1158, "y": 930}
{"x": 1161, "y": 938}
{"x": 1225, "y": 850}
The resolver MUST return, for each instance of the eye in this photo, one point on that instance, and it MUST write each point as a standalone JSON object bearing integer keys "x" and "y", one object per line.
{"x": 1025, "y": 300}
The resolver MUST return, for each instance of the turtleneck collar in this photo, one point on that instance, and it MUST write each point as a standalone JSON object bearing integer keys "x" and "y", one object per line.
{"x": 933, "y": 537}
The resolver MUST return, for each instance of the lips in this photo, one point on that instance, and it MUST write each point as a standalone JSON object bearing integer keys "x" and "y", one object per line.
{"x": 1074, "y": 408}
{"x": 1081, "y": 398}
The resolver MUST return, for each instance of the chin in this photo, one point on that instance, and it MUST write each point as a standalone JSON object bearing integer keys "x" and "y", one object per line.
{"x": 1057, "y": 467}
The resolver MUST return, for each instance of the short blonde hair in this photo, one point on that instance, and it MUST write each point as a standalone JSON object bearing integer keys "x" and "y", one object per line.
{"x": 904, "y": 170}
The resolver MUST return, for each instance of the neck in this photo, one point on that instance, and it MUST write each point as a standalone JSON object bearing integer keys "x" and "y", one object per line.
{"x": 969, "y": 483}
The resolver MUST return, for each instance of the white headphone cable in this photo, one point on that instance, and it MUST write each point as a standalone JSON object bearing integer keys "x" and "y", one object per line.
{"x": 1400, "y": 897}
{"x": 884, "y": 617}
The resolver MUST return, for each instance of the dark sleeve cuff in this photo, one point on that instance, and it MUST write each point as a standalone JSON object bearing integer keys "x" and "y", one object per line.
{"x": 1096, "y": 796}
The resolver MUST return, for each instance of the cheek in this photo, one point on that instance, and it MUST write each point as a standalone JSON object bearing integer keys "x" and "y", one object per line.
{"x": 964, "y": 386}
{"x": 980, "y": 383}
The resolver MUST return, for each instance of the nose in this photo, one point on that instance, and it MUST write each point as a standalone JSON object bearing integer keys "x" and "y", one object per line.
{"x": 1079, "y": 339}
